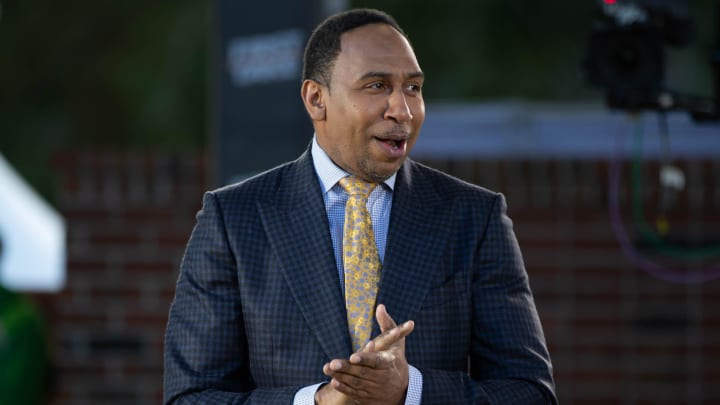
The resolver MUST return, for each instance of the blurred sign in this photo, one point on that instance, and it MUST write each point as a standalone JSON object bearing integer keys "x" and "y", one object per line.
{"x": 33, "y": 237}
{"x": 258, "y": 116}
{"x": 272, "y": 57}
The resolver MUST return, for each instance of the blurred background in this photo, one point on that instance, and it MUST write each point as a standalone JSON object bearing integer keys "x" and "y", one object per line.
{"x": 596, "y": 119}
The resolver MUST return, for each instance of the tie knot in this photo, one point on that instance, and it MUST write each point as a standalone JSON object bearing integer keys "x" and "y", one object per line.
{"x": 354, "y": 186}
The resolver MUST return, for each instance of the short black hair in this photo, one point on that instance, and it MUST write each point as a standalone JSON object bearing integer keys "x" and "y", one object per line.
{"x": 323, "y": 46}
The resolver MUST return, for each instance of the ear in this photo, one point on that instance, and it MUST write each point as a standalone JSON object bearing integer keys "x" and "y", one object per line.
{"x": 313, "y": 95}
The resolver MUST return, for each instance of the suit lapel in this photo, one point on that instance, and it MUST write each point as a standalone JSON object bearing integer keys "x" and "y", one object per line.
{"x": 298, "y": 230}
{"x": 418, "y": 225}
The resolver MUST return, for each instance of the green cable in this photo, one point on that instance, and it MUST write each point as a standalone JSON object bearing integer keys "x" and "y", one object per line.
{"x": 639, "y": 214}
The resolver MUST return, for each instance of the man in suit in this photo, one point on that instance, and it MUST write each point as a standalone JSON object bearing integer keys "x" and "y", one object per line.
{"x": 262, "y": 311}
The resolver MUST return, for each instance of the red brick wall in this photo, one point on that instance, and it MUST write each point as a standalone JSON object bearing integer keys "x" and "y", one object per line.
{"x": 616, "y": 333}
{"x": 128, "y": 219}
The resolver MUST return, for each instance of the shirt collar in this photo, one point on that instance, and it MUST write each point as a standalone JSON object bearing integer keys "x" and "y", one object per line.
{"x": 329, "y": 173}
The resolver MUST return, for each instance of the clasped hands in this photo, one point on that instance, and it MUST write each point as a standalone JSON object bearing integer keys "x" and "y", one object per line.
{"x": 376, "y": 374}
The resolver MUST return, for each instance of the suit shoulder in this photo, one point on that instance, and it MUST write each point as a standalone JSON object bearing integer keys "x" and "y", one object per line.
{"x": 450, "y": 186}
{"x": 261, "y": 186}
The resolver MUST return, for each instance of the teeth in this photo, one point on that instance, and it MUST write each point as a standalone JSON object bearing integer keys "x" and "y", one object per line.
{"x": 395, "y": 144}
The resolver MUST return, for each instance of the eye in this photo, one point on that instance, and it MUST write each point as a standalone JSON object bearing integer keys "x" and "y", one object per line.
{"x": 376, "y": 85}
{"x": 414, "y": 88}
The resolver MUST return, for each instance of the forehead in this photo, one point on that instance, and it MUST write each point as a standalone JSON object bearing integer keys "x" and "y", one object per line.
{"x": 375, "y": 47}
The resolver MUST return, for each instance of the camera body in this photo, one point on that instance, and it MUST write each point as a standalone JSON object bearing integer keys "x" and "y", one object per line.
{"x": 626, "y": 50}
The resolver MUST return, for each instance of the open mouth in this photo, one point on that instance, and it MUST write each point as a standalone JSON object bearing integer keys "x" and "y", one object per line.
{"x": 394, "y": 143}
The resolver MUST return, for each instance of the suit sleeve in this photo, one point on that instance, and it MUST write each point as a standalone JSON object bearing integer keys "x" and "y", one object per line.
{"x": 206, "y": 355}
{"x": 509, "y": 362}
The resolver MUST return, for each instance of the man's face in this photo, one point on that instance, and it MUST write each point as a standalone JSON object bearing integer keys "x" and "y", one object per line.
{"x": 374, "y": 106}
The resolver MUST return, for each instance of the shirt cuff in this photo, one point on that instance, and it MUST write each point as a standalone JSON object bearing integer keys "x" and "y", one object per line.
{"x": 415, "y": 383}
{"x": 306, "y": 395}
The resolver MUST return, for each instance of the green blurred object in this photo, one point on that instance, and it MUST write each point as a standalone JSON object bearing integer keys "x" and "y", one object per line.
{"x": 24, "y": 361}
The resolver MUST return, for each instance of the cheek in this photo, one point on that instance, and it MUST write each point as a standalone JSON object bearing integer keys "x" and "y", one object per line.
{"x": 419, "y": 112}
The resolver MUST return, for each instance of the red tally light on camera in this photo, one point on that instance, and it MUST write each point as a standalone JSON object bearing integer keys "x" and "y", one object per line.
{"x": 610, "y": 1}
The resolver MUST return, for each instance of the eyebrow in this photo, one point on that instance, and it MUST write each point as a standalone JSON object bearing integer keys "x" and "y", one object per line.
{"x": 385, "y": 75}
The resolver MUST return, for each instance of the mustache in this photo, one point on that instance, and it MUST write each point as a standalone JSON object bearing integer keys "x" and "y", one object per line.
{"x": 397, "y": 133}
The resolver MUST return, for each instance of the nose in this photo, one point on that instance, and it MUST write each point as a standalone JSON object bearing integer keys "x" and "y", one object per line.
{"x": 398, "y": 108}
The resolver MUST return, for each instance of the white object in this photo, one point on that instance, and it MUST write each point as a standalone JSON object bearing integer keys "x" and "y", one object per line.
{"x": 33, "y": 237}
{"x": 672, "y": 176}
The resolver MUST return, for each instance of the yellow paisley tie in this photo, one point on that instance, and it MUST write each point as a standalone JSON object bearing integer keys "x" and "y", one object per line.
{"x": 360, "y": 260}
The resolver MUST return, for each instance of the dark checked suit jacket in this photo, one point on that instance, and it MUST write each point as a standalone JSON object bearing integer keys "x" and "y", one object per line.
{"x": 259, "y": 309}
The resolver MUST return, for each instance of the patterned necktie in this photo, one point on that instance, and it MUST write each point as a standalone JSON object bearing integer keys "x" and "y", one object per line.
{"x": 360, "y": 260}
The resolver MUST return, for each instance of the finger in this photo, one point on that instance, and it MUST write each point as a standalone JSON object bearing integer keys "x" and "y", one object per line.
{"x": 372, "y": 387}
{"x": 386, "y": 339}
{"x": 373, "y": 360}
{"x": 354, "y": 392}
{"x": 336, "y": 366}
{"x": 360, "y": 367}
{"x": 352, "y": 373}
{"x": 328, "y": 394}
{"x": 359, "y": 378}
{"x": 384, "y": 319}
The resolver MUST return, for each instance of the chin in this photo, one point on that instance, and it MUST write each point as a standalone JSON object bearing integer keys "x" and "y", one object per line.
{"x": 379, "y": 175}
